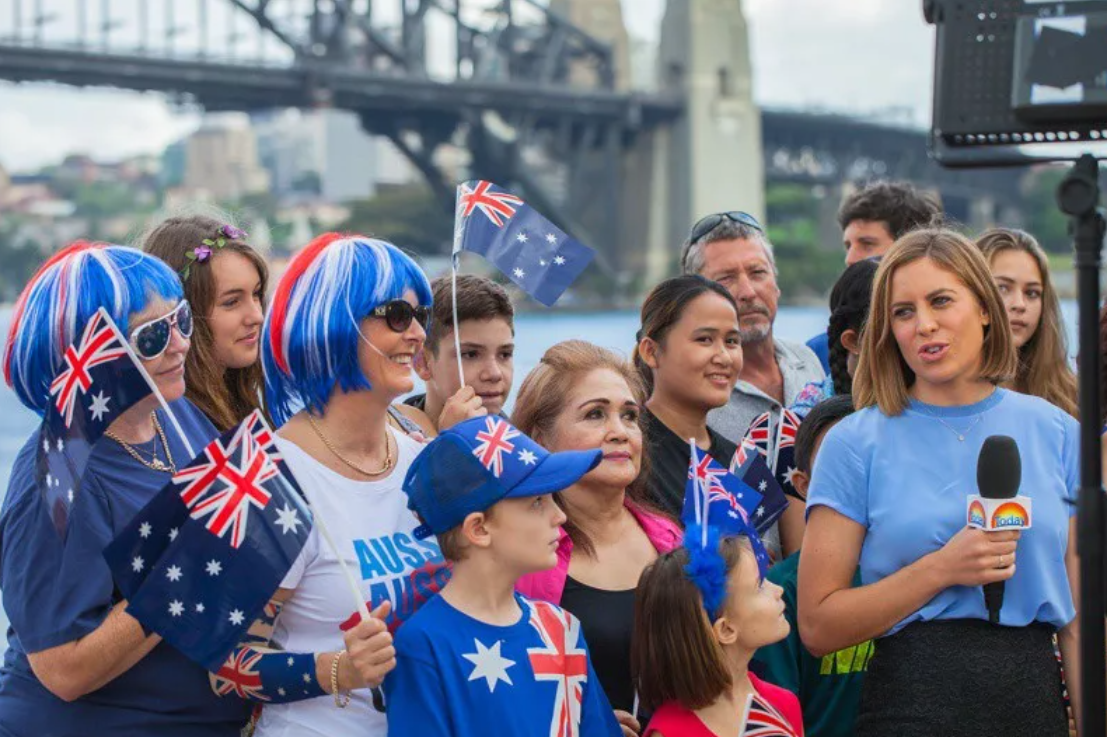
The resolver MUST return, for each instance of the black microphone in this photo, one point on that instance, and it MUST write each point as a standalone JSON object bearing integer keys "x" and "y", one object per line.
{"x": 998, "y": 475}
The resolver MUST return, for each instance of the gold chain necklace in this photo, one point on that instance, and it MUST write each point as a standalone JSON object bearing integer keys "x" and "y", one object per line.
{"x": 387, "y": 451}
{"x": 155, "y": 463}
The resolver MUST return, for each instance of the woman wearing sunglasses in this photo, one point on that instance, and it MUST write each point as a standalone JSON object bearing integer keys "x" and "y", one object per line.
{"x": 348, "y": 316}
{"x": 77, "y": 662}
{"x": 225, "y": 282}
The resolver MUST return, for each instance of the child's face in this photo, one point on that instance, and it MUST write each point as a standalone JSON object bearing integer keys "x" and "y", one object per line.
{"x": 487, "y": 359}
{"x": 754, "y": 608}
{"x": 524, "y": 533}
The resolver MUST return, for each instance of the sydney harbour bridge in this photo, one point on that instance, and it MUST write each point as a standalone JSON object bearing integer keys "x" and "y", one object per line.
{"x": 537, "y": 93}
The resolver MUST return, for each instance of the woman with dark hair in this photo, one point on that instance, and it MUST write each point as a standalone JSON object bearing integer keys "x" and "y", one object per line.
{"x": 225, "y": 281}
{"x": 78, "y": 663}
{"x": 580, "y": 397}
{"x": 689, "y": 355}
{"x": 1021, "y": 271}
{"x": 849, "y": 309}
{"x": 889, "y": 494}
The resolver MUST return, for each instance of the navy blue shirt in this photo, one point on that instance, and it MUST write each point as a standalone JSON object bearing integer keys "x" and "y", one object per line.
{"x": 55, "y": 592}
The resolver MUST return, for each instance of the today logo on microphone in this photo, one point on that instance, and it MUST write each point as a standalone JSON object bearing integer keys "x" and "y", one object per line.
{"x": 999, "y": 514}
{"x": 977, "y": 516}
{"x": 1010, "y": 516}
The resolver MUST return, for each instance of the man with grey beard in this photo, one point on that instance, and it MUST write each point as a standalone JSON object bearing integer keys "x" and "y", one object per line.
{"x": 733, "y": 249}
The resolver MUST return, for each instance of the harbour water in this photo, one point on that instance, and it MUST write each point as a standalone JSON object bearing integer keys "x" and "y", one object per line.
{"x": 535, "y": 332}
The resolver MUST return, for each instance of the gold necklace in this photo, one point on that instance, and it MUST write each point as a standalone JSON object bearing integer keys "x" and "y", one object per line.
{"x": 155, "y": 463}
{"x": 387, "y": 451}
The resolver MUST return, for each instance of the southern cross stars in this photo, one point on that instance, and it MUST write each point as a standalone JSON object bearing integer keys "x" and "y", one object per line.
{"x": 559, "y": 260}
{"x": 527, "y": 457}
{"x": 176, "y": 608}
{"x": 519, "y": 273}
{"x": 214, "y": 568}
{"x": 173, "y": 573}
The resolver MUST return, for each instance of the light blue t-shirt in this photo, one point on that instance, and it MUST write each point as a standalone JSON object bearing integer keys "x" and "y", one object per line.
{"x": 906, "y": 479}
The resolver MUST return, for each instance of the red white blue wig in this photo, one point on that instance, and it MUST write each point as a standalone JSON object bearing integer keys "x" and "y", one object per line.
{"x": 311, "y": 334}
{"x": 62, "y": 297}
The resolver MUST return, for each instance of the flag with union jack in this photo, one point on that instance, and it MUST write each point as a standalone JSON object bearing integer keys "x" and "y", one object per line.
{"x": 751, "y": 465}
{"x": 775, "y": 436}
{"x": 717, "y": 499}
{"x": 726, "y": 494}
{"x": 199, "y": 562}
{"x": 764, "y": 720}
{"x": 540, "y": 258}
{"x": 100, "y": 380}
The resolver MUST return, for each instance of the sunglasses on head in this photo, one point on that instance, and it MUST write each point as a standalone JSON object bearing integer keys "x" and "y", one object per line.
{"x": 399, "y": 313}
{"x": 151, "y": 338}
{"x": 706, "y": 224}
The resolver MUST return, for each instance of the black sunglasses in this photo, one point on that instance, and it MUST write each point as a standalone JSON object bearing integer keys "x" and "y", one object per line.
{"x": 706, "y": 224}
{"x": 399, "y": 313}
{"x": 151, "y": 339}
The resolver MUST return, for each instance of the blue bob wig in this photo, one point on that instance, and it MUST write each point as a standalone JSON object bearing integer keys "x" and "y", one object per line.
{"x": 63, "y": 296}
{"x": 311, "y": 334}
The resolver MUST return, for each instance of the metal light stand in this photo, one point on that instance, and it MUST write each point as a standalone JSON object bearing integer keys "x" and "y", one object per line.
{"x": 1078, "y": 197}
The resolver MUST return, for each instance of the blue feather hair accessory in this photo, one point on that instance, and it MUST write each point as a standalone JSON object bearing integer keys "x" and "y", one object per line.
{"x": 706, "y": 567}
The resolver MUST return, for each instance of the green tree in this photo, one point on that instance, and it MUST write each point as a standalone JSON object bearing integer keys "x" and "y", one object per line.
{"x": 408, "y": 216}
{"x": 1043, "y": 218}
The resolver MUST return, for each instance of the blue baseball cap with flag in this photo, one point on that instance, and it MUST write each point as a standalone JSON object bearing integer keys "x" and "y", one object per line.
{"x": 479, "y": 462}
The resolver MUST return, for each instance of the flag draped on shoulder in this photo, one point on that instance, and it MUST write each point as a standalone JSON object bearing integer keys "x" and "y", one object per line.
{"x": 199, "y": 563}
{"x": 535, "y": 254}
{"x": 100, "y": 380}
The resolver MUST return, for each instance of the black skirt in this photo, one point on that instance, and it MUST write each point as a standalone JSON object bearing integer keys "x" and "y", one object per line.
{"x": 963, "y": 677}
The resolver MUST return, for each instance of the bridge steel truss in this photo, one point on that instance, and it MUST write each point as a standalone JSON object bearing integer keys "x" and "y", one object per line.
{"x": 502, "y": 93}
{"x": 495, "y": 78}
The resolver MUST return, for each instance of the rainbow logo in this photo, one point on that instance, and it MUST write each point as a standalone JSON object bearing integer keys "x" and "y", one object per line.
{"x": 977, "y": 518}
{"x": 1010, "y": 514}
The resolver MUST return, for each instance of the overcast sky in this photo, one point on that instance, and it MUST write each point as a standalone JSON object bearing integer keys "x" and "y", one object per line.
{"x": 855, "y": 56}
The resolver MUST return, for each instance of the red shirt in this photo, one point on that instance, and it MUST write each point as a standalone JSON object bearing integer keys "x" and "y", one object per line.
{"x": 775, "y": 713}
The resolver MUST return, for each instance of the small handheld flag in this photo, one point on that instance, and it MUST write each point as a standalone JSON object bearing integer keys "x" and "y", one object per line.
{"x": 535, "y": 254}
{"x": 101, "y": 380}
{"x": 749, "y": 464}
{"x": 709, "y": 514}
{"x": 200, "y": 561}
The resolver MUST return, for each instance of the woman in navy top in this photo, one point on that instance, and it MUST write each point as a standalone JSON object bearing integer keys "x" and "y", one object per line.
{"x": 889, "y": 495}
{"x": 77, "y": 662}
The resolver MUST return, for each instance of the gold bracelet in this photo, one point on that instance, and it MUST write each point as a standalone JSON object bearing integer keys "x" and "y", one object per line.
{"x": 338, "y": 698}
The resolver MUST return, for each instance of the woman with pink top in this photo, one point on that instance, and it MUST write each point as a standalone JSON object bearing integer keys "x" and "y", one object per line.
{"x": 582, "y": 396}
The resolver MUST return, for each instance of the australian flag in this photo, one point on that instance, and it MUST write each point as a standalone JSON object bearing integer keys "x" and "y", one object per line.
{"x": 199, "y": 563}
{"x": 715, "y": 498}
{"x": 99, "y": 381}
{"x": 536, "y": 255}
{"x": 750, "y": 465}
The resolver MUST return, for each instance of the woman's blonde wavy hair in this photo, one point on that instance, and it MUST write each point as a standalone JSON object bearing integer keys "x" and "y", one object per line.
{"x": 883, "y": 376}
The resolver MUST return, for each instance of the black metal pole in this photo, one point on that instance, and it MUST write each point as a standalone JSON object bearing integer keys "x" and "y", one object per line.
{"x": 1078, "y": 197}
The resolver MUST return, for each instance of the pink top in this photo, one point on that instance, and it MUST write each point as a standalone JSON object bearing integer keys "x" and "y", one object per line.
{"x": 775, "y": 713}
{"x": 550, "y": 585}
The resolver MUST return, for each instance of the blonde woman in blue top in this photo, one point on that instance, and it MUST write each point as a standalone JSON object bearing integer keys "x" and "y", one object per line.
{"x": 889, "y": 494}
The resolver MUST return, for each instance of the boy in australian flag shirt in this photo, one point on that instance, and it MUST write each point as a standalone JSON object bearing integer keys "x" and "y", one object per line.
{"x": 478, "y": 658}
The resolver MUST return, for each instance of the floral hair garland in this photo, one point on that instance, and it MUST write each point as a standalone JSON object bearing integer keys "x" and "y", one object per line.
{"x": 204, "y": 251}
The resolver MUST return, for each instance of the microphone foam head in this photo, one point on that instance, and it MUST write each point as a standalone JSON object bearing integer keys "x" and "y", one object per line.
{"x": 999, "y": 468}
